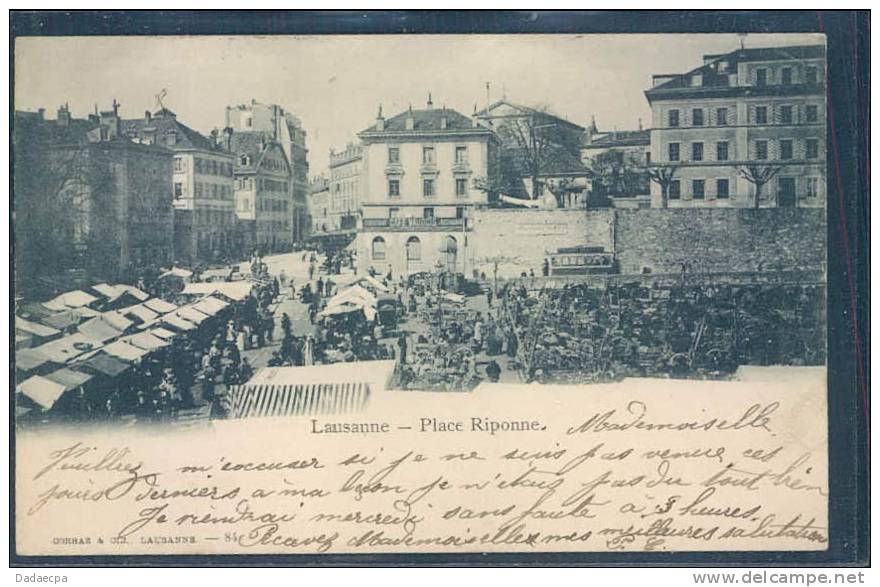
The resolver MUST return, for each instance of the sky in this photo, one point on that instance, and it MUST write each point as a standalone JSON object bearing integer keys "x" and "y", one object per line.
{"x": 336, "y": 83}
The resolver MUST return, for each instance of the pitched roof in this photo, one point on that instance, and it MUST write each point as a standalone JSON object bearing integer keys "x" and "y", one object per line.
{"x": 104, "y": 364}
{"x": 428, "y": 120}
{"x": 525, "y": 110}
{"x": 254, "y": 144}
{"x": 713, "y": 77}
{"x": 162, "y": 124}
{"x": 621, "y": 138}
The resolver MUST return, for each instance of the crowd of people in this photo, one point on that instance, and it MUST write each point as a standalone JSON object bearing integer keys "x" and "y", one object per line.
{"x": 194, "y": 370}
{"x": 582, "y": 333}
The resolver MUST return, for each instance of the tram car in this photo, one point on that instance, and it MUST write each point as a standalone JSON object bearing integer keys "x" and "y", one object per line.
{"x": 581, "y": 260}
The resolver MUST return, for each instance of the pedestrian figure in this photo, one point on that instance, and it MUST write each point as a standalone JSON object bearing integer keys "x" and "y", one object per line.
{"x": 402, "y": 344}
{"x": 493, "y": 371}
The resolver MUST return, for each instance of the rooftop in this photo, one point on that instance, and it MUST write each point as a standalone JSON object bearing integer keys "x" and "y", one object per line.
{"x": 428, "y": 120}
{"x": 162, "y": 125}
{"x": 716, "y": 69}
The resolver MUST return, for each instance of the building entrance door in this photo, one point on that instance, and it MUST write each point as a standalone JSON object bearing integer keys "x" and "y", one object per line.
{"x": 787, "y": 197}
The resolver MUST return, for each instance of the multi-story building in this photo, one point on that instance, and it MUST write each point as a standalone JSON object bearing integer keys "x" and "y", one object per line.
{"x": 346, "y": 178}
{"x": 421, "y": 171}
{"x": 618, "y": 163}
{"x": 263, "y": 204}
{"x": 319, "y": 208}
{"x": 286, "y": 129}
{"x": 745, "y": 122}
{"x": 202, "y": 185}
{"x": 88, "y": 200}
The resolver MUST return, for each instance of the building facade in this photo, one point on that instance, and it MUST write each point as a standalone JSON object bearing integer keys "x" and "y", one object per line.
{"x": 287, "y": 130}
{"x": 346, "y": 180}
{"x": 746, "y": 122}
{"x": 319, "y": 208}
{"x": 104, "y": 200}
{"x": 202, "y": 186}
{"x": 263, "y": 205}
{"x": 421, "y": 171}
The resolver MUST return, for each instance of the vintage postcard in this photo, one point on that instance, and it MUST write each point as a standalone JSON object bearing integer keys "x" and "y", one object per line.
{"x": 420, "y": 294}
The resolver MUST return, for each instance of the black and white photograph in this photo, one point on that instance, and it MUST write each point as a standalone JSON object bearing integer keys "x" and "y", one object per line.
{"x": 381, "y": 295}
{"x": 190, "y": 246}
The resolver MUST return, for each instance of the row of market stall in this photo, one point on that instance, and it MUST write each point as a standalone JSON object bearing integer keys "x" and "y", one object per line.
{"x": 94, "y": 336}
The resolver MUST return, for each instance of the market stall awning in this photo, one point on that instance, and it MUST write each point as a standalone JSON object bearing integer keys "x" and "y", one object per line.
{"x": 177, "y": 322}
{"x": 123, "y": 350}
{"x": 139, "y": 294}
{"x": 354, "y": 294}
{"x": 104, "y": 364}
{"x": 71, "y": 299}
{"x": 163, "y": 333}
{"x": 43, "y": 392}
{"x": 107, "y": 290}
{"x": 191, "y": 314}
{"x": 62, "y": 320}
{"x": 141, "y": 312}
{"x": 233, "y": 290}
{"x": 177, "y": 272}
{"x": 223, "y": 273}
{"x": 159, "y": 305}
{"x": 117, "y": 320}
{"x": 69, "y": 378}
{"x": 67, "y": 348}
{"x": 30, "y": 359}
{"x": 210, "y": 305}
{"x": 36, "y": 329}
{"x": 99, "y": 330}
{"x": 146, "y": 341}
{"x": 367, "y": 281}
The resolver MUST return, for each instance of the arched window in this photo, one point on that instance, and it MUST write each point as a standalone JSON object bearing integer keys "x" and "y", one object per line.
{"x": 413, "y": 249}
{"x": 379, "y": 248}
{"x": 451, "y": 251}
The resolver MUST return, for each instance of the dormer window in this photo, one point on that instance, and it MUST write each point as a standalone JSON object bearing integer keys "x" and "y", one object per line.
{"x": 761, "y": 76}
{"x": 244, "y": 160}
{"x": 696, "y": 81}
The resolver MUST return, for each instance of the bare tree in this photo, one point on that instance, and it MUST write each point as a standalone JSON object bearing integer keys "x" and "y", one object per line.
{"x": 759, "y": 175}
{"x": 663, "y": 175}
{"x": 533, "y": 143}
{"x": 618, "y": 173}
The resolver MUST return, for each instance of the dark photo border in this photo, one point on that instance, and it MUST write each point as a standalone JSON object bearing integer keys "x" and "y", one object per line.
{"x": 848, "y": 55}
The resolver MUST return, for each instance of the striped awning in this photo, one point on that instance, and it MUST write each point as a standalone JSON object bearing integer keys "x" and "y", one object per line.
{"x": 266, "y": 401}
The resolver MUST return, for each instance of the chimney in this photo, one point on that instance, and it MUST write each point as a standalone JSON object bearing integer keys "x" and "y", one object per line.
{"x": 148, "y": 116}
{"x": 214, "y": 134}
{"x": 227, "y": 138}
{"x": 63, "y": 115}
{"x": 640, "y": 124}
{"x": 41, "y": 113}
{"x": 444, "y": 121}
{"x": 430, "y": 102}
{"x": 380, "y": 120}
{"x": 410, "y": 121}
